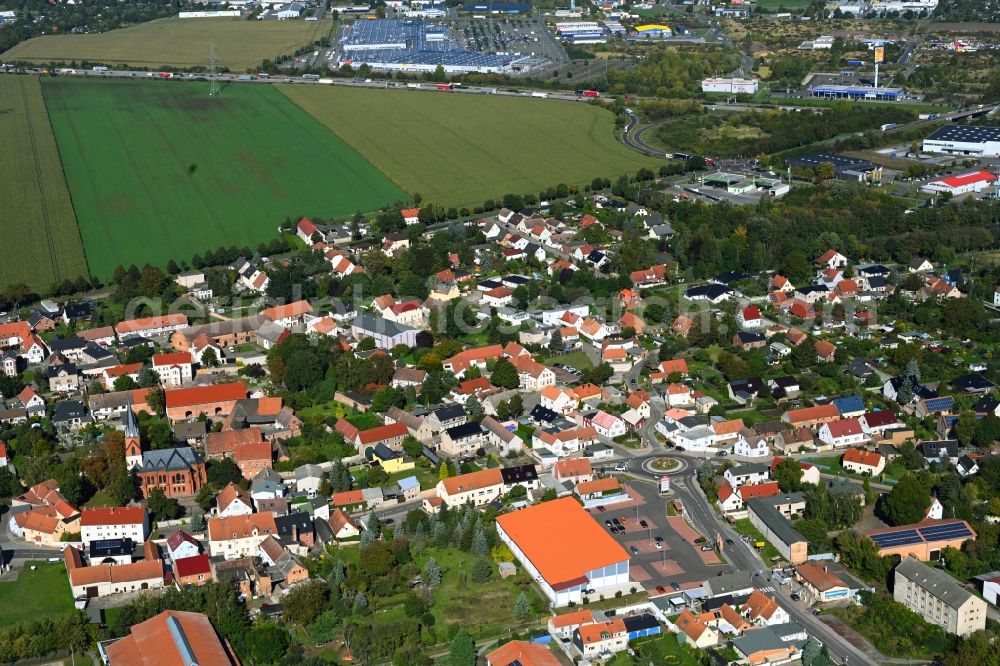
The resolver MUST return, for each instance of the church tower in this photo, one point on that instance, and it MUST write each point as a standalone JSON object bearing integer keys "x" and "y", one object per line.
{"x": 133, "y": 445}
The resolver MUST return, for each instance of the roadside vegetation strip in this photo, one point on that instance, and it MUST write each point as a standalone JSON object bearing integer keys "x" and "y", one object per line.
{"x": 41, "y": 242}
{"x": 460, "y": 149}
{"x": 176, "y": 42}
{"x": 161, "y": 170}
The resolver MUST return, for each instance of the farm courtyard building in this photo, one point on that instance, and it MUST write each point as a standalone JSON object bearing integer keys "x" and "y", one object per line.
{"x": 413, "y": 46}
{"x": 564, "y": 549}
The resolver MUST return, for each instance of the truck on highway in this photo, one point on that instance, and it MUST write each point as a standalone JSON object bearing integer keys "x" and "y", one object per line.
{"x": 542, "y": 95}
{"x": 888, "y": 126}
{"x": 412, "y": 85}
{"x": 310, "y": 77}
{"x": 244, "y": 77}
{"x": 587, "y": 93}
{"x": 99, "y": 68}
{"x": 166, "y": 75}
{"x": 488, "y": 91}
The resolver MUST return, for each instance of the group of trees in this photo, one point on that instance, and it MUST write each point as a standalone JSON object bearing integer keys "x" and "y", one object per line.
{"x": 343, "y": 595}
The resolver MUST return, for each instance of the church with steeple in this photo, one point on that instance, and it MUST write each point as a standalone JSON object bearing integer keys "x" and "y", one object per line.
{"x": 177, "y": 471}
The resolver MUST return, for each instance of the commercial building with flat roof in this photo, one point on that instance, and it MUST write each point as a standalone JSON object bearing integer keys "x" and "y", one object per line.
{"x": 938, "y": 597}
{"x": 857, "y": 92}
{"x": 974, "y": 181}
{"x": 565, "y": 551}
{"x": 973, "y": 140}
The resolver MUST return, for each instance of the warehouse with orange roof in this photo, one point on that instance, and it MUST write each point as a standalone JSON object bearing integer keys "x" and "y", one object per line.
{"x": 565, "y": 551}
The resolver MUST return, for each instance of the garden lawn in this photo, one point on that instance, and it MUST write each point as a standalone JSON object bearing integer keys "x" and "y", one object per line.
{"x": 37, "y": 594}
{"x": 459, "y": 149}
{"x": 41, "y": 242}
{"x": 160, "y": 170}
{"x": 177, "y": 42}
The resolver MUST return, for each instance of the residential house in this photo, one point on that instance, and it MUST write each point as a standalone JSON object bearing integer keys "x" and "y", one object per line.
{"x": 478, "y": 488}
{"x": 131, "y": 522}
{"x": 860, "y": 461}
{"x": 174, "y": 369}
{"x": 239, "y": 536}
{"x": 842, "y": 432}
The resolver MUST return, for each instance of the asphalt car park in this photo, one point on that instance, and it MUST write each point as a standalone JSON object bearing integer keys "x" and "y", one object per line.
{"x": 660, "y": 557}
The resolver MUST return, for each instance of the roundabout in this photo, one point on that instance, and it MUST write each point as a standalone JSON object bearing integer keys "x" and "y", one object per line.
{"x": 660, "y": 465}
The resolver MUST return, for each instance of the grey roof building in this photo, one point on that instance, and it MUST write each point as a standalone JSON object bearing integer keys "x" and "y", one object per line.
{"x": 938, "y": 597}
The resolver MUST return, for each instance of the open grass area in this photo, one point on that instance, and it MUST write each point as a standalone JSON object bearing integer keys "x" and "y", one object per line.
{"x": 461, "y": 149}
{"x": 36, "y": 594}
{"x": 159, "y": 170}
{"x": 481, "y": 609}
{"x": 577, "y": 359}
{"x": 41, "y": 241}
{"x": 101, "y": 498}
{"x": 176, "y": 42}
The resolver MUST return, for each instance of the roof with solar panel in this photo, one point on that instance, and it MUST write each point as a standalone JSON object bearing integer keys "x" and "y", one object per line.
{"x": 927, "y": 532}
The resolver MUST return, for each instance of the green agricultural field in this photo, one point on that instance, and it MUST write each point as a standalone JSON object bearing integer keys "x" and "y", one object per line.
{"x": 41, "y": 242}
{"x": 159, "y": 170}
{"x": 782, "y": 5}
{"x": 461, "y": 149}
{"x": 176, "y": 42}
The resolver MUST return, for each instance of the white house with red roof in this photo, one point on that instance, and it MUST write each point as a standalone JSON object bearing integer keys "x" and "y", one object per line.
{"x": 305, "y": 230}
{"x": 128, "y": 522}
{"x": 779, "y": 283}
{"x": 860, "y": 461}
{"x": 4, "y": 456}
{"x": 831, "y": 259}
{"x": 749, "y": 317}
{"x": 174, "y": 368}
{"x": 410, "y": 215}
{"x": 31, "y": 401}
{"x": 842, "y": 433}
{"x": 181, "y": 545}
{"x": 733, "y": 501}
{"x": 973, "y": 181}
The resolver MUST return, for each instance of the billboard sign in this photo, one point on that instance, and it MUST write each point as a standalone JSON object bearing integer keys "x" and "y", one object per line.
{"x": 664, "y": 484}
{"x": 879, "y": 54}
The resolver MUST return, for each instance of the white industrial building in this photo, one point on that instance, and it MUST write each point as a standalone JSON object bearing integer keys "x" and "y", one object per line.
{"x": 971, "y": 140}
{"x": 730, "y": 86}
{"x": 974, "y": 181}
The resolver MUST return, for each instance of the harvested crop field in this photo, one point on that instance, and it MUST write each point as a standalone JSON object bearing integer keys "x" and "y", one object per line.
{"x": 459, "y": 149}
{"x": 41, "y": 242}
{"x": 176, "y": 42}
{"x": 160, "y": 170}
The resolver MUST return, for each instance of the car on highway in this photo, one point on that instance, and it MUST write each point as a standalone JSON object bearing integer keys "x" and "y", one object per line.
{"x": 634, "y": 550}
{"x": 729, "y": 541}
{"x": 679, "y": 448}
{"x": 661, "y": 589}
{"x": 643, "y": 524}
{"x": 722, "y": 454}
{"x": 706, "y": 548}
{"x": 795, "y": 596}
{"x": 658, "y": 544}
{"x": 658, "y": 539}
{"x": 620, "y": 467}
{"x": 601, "y": 508}
{"x": 674, "y": 584}
{"x": 815, "y": 611}
{"x": 623, "y": 520}
{"x": 608, "y": 523}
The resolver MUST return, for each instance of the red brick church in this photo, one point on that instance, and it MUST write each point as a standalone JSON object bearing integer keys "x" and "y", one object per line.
{"x": 178, "y": 471}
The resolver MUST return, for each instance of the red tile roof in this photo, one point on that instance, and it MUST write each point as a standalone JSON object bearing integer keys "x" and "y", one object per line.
{"x": 200, "y": 395}
{"x": 122, "y": 515}
{"x": 862, "y": 457}
{"x": 192, "y": 566}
